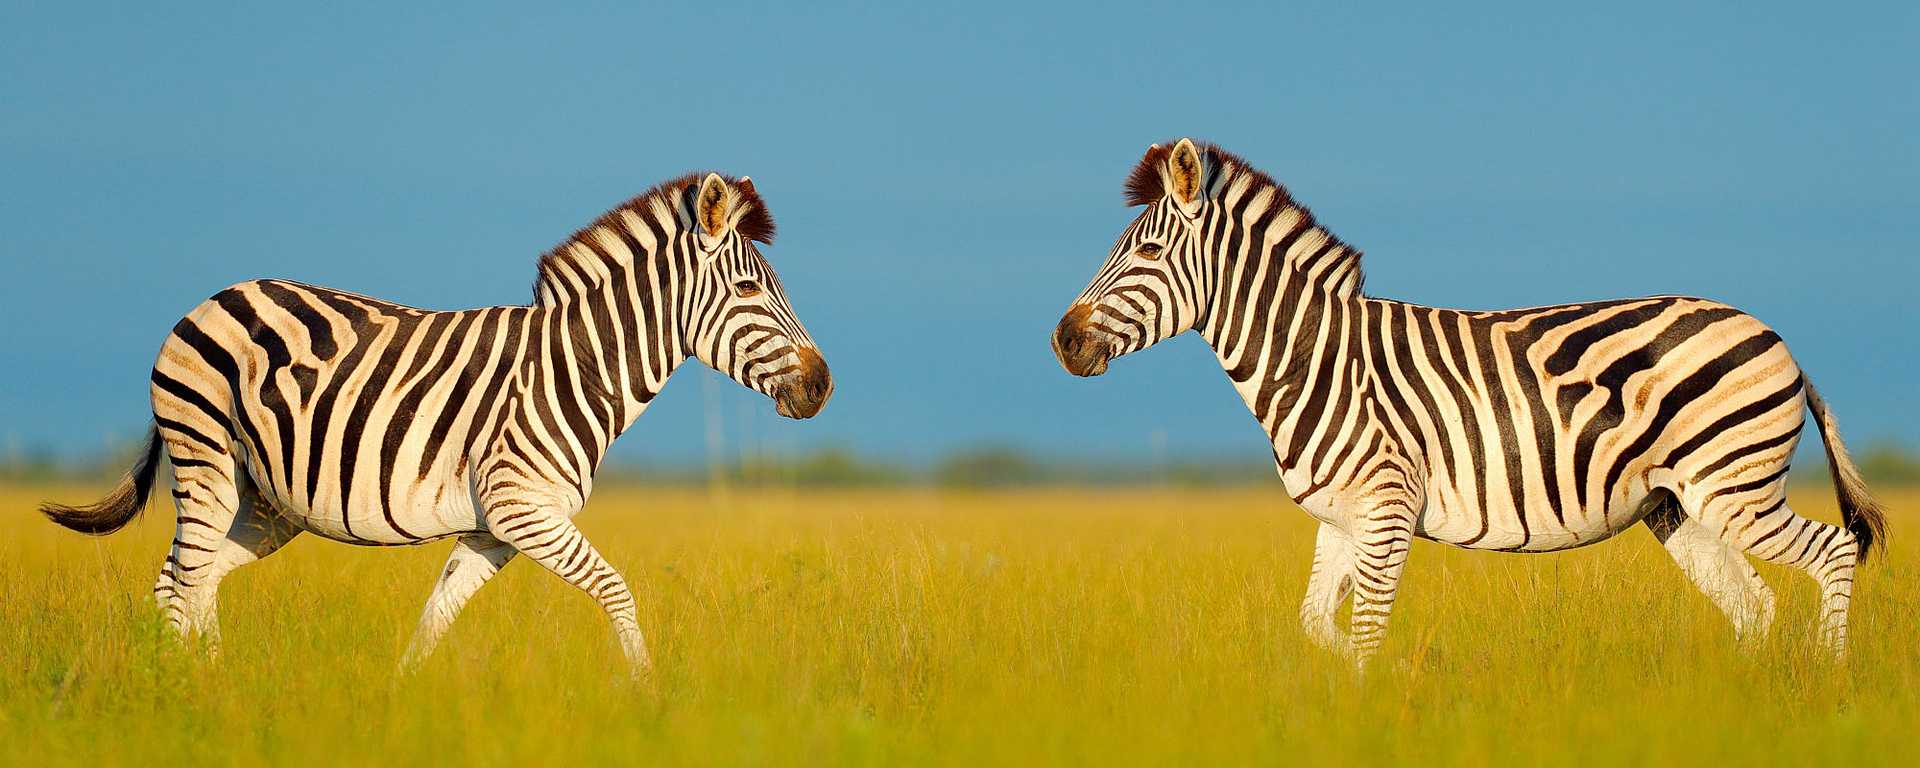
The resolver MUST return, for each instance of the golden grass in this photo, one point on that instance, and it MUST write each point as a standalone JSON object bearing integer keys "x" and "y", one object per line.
{"x": 923, "y": 626}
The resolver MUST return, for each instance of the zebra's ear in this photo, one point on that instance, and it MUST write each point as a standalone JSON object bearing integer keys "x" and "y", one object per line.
{"x": 1183, "y": 172}
{"x": 713, "y": 207}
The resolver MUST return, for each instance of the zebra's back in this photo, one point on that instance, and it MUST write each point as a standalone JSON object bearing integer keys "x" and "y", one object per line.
{"x": 353, "y": 416}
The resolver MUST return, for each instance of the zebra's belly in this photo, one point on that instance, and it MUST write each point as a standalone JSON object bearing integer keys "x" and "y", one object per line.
{"x": 1464, "y": 523}
{"x": 420, "y": 514}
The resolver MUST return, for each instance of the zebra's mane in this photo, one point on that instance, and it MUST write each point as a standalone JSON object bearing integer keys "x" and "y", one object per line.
{"x": 1146, "y": 185}
{"x": 676, "y": 198}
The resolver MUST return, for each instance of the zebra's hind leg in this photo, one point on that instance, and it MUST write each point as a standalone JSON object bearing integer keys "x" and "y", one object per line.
{"x": 1756, "y": 519}
{"x": 221, "y": 525}
{"x": 476, "y": 557}
{"x": 257, "y": 531}
{"x": 1329, "y": 585}
{"x": 550, "y": 539}
{"x": 206, "y": 500}
{"x": 1719, "y": 570}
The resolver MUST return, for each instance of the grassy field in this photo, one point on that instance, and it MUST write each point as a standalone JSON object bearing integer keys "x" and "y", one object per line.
{"x": 924, "y": 626}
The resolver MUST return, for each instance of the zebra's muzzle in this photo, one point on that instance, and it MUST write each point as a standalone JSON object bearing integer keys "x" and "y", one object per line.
{"x": 806, "y": 393}
{"x": 1080, "y": 352}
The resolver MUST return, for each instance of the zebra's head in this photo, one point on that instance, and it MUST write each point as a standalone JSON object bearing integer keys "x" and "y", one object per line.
{"x": 739, "y": 321}
{"x": 1153, "y": 284}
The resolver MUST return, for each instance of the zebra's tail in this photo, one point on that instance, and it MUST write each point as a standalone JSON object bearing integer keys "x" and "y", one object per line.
{"x": 121, "y": 505}
{"x": 1858, "y": 510}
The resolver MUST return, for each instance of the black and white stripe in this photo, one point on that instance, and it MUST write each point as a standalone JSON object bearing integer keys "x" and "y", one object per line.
{"x": 1522, "y": 430}
{"x": 287, "y": 408}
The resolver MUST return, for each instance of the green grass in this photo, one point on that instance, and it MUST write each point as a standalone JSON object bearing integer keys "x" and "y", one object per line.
{"x": 925, "y": 626}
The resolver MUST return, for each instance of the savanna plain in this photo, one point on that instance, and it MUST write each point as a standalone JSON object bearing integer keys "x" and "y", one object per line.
{"x": 934, "y": 626}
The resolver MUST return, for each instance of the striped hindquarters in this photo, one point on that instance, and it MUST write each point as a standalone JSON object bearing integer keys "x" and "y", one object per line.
{"x": 348, "y": 411}
{"x": 1541, "y": 428}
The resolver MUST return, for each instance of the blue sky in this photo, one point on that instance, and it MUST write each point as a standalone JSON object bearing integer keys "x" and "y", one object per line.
{"x": 946, "y": 179}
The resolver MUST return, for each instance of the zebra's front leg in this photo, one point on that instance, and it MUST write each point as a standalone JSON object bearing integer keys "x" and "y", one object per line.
{"x": 1328, "y": 587}
{"x": 476, "y": 557}
{"x": 1381, "y": 543}
{"x": 550, "y": 539}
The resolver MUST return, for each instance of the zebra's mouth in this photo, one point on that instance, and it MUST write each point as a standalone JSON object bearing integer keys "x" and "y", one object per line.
{"x": 803, "y": 394}
{"x": 1080, "y": 351}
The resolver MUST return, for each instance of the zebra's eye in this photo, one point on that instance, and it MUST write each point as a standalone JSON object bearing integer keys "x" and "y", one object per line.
{"x": 746, "y": 289}
{"x": 1149, "y": 251}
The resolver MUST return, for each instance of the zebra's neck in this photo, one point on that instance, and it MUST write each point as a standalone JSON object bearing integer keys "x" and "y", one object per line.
{"x": 582, "y": 383}
{"x": 618, "y": 364}
{"x": 1286, "y": 321}
{"x": 1307, "y": 370}
{"x": 608, "y": 325}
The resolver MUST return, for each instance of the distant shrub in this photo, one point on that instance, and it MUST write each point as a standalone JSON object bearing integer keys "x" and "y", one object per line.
{"x": 1887, "y": 463}
{"x": 989, "y": 467}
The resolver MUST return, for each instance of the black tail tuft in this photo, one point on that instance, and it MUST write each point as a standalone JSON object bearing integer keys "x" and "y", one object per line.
{"x": 1858, "y": 510}
{"x": 121, "y": 505}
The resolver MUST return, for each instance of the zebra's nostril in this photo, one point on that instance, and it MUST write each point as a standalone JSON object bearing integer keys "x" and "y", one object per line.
{"x": 1079, "y": 353}
{"x": 1066, "y": 335}
{"x": 804, "y": 396}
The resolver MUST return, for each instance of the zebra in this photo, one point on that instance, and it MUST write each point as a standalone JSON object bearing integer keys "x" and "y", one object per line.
{"x": 1527, "y": 430}
{"x": 286, "y": 407}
